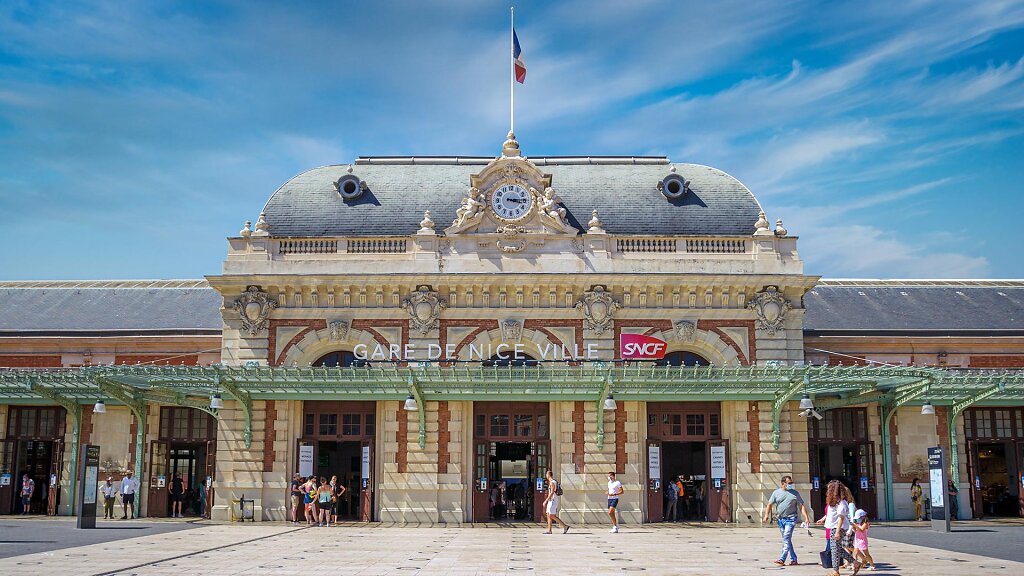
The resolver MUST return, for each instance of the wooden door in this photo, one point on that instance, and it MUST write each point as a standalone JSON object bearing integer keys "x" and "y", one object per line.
{"x": 816, "y": 497}
{"x": 210, "y": 476}
{"x": 867, "y": 498}
{"x": 481, "y": 483}
{"x": 367, "y": 481}
{"x": 159, "y": 455}
{"x": 8, "y": 453}
{"x": 977, "y": 504}
{"x": 717, "y": 493}
{"x": 540, "y": 462}
{"x": 53, "y": 492}
{"x": 655, "y": 491}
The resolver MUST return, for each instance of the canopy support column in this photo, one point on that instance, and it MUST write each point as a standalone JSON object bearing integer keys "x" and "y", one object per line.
{"x": 421, "y": 410}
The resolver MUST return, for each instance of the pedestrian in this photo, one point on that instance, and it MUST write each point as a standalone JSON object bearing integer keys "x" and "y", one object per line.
{"x": 28, "y": 488}
{"x": 129, "y": 486}
{"x": 309, "y": 500}
{"x": 916, "y": 493}
{"x": 176, "y": 489}
{"x": 296, "y": 496}
{"x": 109, "y": 497}
{"x": 860, "y": 539}
{"x": 614, "y": 491}
{"x": 337, "y": 490}
{"x": 787, "y": 502}
{"x": 839, "y": 523}
{"x": 954, "y": 503}
{"x": 681, "y": 505}
{"x": 325, "y": 495}
{"x": 554, "y": 492}
{"x": 672, "y": 500}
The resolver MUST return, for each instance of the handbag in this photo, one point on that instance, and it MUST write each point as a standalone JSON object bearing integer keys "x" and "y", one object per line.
{"x": 826, "y": 555}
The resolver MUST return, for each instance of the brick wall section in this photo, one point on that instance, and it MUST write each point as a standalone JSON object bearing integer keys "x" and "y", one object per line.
{"x": 158, "y": 359}
{"x": 314, "y": 324}
{"x": 268, "y": 436}
{"x": 621, "y": 457}
{"x": 754, "y": 437}
{"x": 997, "y": 362}
{"x": 578, "y": 435}
{"x": 30, "y": 361}
{"x": 444, "y": 415}
{"x": 402, "y": 437}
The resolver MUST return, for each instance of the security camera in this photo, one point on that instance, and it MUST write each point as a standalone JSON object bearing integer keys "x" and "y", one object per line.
{"x": 811, "y": 412}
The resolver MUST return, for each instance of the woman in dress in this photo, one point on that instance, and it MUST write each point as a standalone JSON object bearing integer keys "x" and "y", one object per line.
{"x": 916, "y": 492}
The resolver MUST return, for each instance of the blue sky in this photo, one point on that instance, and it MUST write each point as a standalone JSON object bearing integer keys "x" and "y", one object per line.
{"x": 136, "y": 136}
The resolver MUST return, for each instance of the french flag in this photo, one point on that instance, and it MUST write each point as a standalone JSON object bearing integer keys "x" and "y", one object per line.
{"x": 517, "y": 59}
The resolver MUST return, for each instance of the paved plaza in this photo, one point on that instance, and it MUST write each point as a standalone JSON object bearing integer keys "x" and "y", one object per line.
{"x": 182, "y": 549}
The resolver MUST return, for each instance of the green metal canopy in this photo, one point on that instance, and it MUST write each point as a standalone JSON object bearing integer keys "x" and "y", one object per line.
{"x": 830, "y": 386}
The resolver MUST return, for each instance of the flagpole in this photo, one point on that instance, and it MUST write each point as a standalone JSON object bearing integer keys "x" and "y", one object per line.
{"x": 512, "y": 76}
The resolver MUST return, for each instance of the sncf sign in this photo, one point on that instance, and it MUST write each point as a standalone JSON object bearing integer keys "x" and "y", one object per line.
{"x": 640, "y": 347}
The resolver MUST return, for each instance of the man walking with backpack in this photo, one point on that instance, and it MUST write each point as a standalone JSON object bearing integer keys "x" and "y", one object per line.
{"x": 551, "y": 503}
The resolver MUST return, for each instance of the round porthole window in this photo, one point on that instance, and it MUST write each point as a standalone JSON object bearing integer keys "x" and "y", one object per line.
{"x": 674, "y": 186}
{"x": 349, "y": 186}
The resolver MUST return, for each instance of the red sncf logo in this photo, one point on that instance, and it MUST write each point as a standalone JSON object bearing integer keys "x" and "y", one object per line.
{"x": 640, "y": 347}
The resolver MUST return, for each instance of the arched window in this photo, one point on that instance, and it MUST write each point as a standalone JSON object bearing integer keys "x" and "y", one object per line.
{"x": 682, "y": 358}
{"x": 509, "y": 360}
{"x": 342, "y": 358}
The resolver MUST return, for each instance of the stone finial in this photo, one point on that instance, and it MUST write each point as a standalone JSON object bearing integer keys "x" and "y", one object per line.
{"x": 780, "y": 230}
{"x": 247, "y": 230}
{"x": 426, "y": 225}
{"x": 761, "y": 226}
{"x": 595, "y": 226}
{"x": 510, "y": 148}
{"x": 672, "y": 169}
{"x": 262, "y": 226}
{"x": 349, "y": 169}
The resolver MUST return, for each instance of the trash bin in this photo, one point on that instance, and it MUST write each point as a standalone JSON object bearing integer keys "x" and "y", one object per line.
{"x": 242, "y": 510}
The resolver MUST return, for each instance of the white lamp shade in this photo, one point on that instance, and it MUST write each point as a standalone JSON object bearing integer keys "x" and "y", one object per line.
{"x": 609, "y": 403}
{"x": 805, "y": 402}
{"x": 99, "y": 408}
{"x": 927, "y": 408}
{"x": 216, "y": 402}
{"x": 411, "y": 404}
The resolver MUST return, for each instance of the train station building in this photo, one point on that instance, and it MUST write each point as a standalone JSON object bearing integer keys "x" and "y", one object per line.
{"x": 439, "y": 331}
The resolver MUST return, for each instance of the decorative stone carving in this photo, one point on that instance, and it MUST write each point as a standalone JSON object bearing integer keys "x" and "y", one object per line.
{"x": 253, "y": 307}
{"x": 510, "y": 148}
{"x": 338, "y": 330}
{"x": 247, "y": 230}
{"x": 595, "y": 226}
{"x": 598, "y": 307}
{"x": 424, "y": 307}
{"x": 685, "y": 330}
{"x": 549, "y": 206}
{"x": 771, "y": 307}
{"x": 511, "y": 241}
{"x": 262, "y": 226}
{"x": 780, "y": 230}
{"x": 761, "y": 227}
{"x": 426, "y": 225}
{"x": 472, "y": 208}
{"x": 511, "y": 330}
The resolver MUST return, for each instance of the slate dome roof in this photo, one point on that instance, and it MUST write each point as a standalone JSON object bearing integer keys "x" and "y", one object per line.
{"x": 622, "y": 189}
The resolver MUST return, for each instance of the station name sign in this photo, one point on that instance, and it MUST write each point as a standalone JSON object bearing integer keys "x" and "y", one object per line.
{"x": 473, "y": 352}
{"x": 641, "y": 347}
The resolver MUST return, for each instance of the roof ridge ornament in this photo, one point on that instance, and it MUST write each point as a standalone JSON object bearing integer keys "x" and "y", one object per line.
{"x": 510, "y": 149}
{"x": 262, "y": 226}
{"x": 426, "y": 225}
{"x": 761, "y": 226}
{"x": 780, "y": 230}
{"x": 595, "y": 226}
{"x": 246, "y": 230}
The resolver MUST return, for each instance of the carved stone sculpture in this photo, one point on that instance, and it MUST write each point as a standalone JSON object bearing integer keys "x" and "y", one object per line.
{"x": 549, "y": 205}
{"x": 598, "y": 307}
{"x": 685, "y": 330}
{"x": 771, "y": 307}
{"x": 424, "y": 307}
{"x": 511, "y": 330}
{"x": 253, "y": 307}
{"x": 338, "y": 330}
{"x": 472, "y": 207}
{"x": 511, "y": 240}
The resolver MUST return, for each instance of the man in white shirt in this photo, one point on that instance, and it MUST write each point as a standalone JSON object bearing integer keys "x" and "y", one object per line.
{"x": 614, "y": 491}
{"x": 129, "y": 486}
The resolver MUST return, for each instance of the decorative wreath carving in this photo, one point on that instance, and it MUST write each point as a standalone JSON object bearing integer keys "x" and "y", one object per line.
{"x": 598, "y": 307}
{"x": 771, "y": 307}
{"x": 424, "y": 307}
{"x": 253, "y": 307}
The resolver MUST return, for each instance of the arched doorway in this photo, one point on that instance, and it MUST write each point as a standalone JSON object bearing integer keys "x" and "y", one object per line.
{"x": 682, "y": 358}
{"x": 511, "y": 360}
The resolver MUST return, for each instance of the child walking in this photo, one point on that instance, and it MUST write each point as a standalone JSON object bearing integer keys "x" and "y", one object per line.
{"x": 860, "y": 538}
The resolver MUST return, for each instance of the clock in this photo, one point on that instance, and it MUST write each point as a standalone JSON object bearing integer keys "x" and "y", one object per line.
{"x": 511, "y": 202}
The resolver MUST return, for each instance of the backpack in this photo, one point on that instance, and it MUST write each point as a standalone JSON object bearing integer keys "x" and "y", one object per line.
{"x": 558, "y": 488}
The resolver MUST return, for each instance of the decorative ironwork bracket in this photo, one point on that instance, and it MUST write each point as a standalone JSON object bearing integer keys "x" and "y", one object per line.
{"x": 244, "y": 401}
{"x": 781, "y": 398}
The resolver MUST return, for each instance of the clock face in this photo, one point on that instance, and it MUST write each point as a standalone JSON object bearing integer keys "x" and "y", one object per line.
{"x": 511, "y": 202}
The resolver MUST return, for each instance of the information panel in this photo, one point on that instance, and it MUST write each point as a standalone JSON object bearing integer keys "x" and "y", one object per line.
{"x": 88, "y": 473}
{"x": 718, "y": 462}
{"x": 654, "y": 461}
{"x": 937, "y": 485}
{"x": 306, "y": 460}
